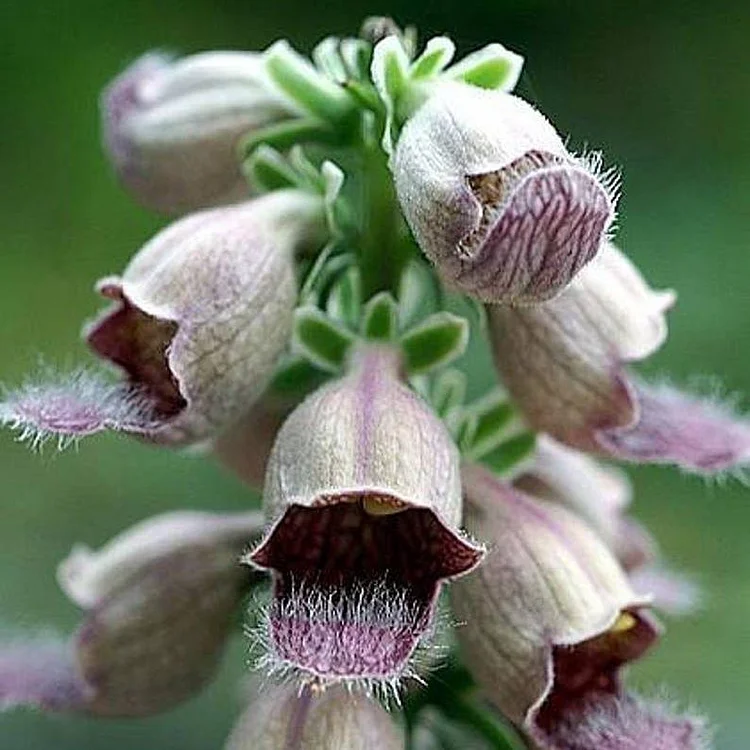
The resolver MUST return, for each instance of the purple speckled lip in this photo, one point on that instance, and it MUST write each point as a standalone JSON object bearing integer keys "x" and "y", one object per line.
{"x": 354, "y": 593}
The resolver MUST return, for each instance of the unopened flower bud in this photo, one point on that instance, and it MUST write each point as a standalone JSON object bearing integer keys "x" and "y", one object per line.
{"x": 494, "y": 199}
{"x": 286, "y": 716}
{"x": 549, "y": 617}
{"x": 159, "y": 600}
{"x": 173, "y": 127}
{"x": 363, "y": 498}
{"x": 200, "y": 317}
{"x": 563, "y": 363}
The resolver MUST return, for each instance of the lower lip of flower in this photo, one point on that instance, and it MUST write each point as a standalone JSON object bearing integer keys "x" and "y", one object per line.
{"x": 355, "y": 591}
{"x": 589, "y": 669}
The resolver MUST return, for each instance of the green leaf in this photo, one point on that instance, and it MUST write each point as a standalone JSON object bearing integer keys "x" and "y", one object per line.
{"x": 344, "y": 303}
{"x": 448, "y": 392}
{"x": 286, "y": 134}
{"x": 296, "y": 377}
{"x": 327, "y": 58}
{"x": 357, "y": 56}
{"x": 380, "y": 317}
{"x": 268, "y": 170}
{"x": 297, "y": 77}
{"x": 437, "y": 54}
{"x": 492, "y": 67}
{"x": 509, "y": 454}
{"x": 435, "y": 342}
{"x": 494, "y": 415}
{"x": 323, "y": 341}
{"x": 417, "y": 293}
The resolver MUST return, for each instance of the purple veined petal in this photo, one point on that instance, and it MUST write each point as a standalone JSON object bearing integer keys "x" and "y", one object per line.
{"x": 699, "y": 435}
{"x": 538, "y": 230}
{"x": 77, "y": 405}
{"x": 40, "y": 673}
{"x": 363, "y": 498}
{"x": 494, "y": 198}
{"x": 625, "y": 723}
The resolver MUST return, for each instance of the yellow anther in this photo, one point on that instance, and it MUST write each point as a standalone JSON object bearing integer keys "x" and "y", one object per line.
{"x": 377, "y": 507}
{"x": 624, "y": 622}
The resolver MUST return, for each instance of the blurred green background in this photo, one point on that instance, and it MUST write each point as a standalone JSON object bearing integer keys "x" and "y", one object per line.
{"x": 661, "y": 87}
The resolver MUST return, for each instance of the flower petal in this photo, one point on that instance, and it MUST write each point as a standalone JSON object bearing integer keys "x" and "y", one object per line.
{"x": 80, "y": 404}
{"x": 625, "y": 723}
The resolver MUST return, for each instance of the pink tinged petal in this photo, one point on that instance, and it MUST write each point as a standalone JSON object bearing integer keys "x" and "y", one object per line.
{"x": 625, "y": 723}
{"x": 541, "y": 225}
{"x": 672, "y": 592}
{"x": 172, "y": 128}
{"x": 563, "y": 363}
{"x": 363, "y": 494}
{"x": 287, "y": 717}
{"x": 699, "y": 435}
{"x": 160, "y": 602}
{"x": 40, "y": 673}
{"x": 494, "y": 199}
{"x": 598, "y": 493}
{"x": 549, "y": 618}
{"x": 204, "y": 310}
{"x": 81, "y": 404}
{"x": 354, "y": 593}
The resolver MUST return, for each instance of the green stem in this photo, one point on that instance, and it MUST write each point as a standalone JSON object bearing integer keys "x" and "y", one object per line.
{"x": 383, "y": 253}
{"x": 466, "y": 711}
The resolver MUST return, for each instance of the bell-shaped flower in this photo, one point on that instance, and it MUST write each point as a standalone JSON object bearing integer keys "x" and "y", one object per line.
{"x": 286, "y": 716}
{"x": 363, "y": 499}
{"x": 172, "y": 128}
{"x": 598, "y": 493}
{"x": 199, "y": 319}
{"x": 601, "y": 495}
{"x": 549, "y": 619}
{"x": 563, "y": 363}
{"x": 159, "y": 602}
{"x": 493, "y": 197}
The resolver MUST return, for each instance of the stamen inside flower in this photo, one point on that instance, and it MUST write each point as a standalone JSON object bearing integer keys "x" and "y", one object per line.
{"x": 139, "y": 344}
{"x": 354, "y": 591}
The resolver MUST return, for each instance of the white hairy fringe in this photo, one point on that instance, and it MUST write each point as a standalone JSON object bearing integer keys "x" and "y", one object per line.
{"x": 727, "y": 404}
{"x": 122, "y": 407}
{"x": 610, "y": 179}
{"x": 378, "y": 603}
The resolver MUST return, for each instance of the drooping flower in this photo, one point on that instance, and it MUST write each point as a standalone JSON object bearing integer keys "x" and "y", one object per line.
{"x": 601, "y": 495}
{"x": 172, "y": 128}
{"x": 549, "y": 621}
{"x": 287, "y": 717}
{"x": 198, "y": 321}
{"x": 363, "y": 498}
{"x": 159, "y": 602}
{"x": 564, "y": 364}
{"x": 598, "y": 493}
{"x": 493, "y": 197}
